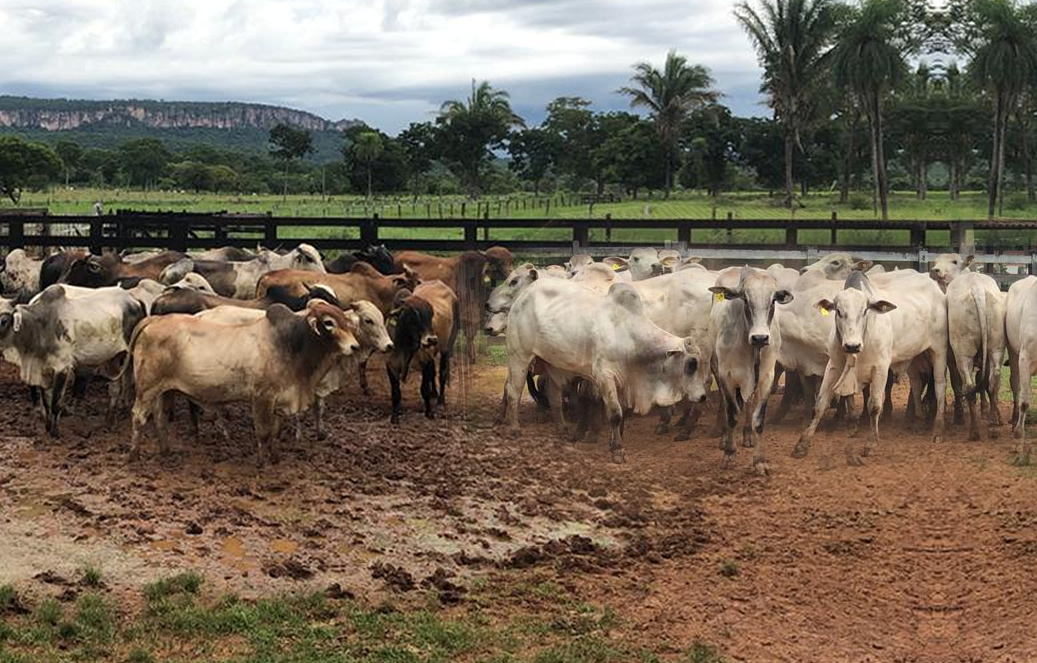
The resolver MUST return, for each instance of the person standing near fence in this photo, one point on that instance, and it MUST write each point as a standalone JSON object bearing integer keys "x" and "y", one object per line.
{"x": 98, "y": 208}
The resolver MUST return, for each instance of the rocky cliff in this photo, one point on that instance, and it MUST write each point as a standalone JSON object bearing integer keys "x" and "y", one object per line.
{"x": 71, "y": 114}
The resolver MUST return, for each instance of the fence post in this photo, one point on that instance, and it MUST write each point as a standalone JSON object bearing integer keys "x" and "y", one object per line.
{"x": 963, "y": 237}
{"x": 918, "y": 235}
{"x": 792, "y": 236}
{"x": 834, "y": 241}
{"x": 178, "y": 235}
{"x": 96, "y": 234}
{"x": 270, "y": 233}
{"x": 581, "y": 236}
{"x": 369, "y": 231}
{"x": 471, "y": 235}
{"x": 16, "y": 234}
{"x": 684, "y": 234}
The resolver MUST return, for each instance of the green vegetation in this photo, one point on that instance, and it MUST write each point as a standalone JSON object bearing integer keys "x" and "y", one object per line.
{"x": 531, "y": 622}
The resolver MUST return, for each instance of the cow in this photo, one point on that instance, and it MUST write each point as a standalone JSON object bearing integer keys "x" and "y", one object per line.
{"x": 949, "y": 266}
{"x": 109, "y": 269}
{"x": 239, "y": 279}
{"x": 361, "y": 282}
{"x": 274, "y": 363}
{"x": 976, "y": 325}
{"x": 632, "y": 364}
{"x": 643, "y": 263}
{"x": 20, "y": 274}
{"x": 425, "y": 325}
{"x": 875, "y": 331}
{"x": 745, "y": 323}
{"x": 56, "y": 264}
{"x": 375, "y": 255}
{"x": 1021, "y": 334}
{"x": 578, "y": 262}
{"x": 186, "y": 300}
{"x": 56, "y": 334}
{"x": 469, "y": 275}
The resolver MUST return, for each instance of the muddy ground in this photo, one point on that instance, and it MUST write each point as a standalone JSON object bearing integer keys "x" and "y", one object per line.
{"x": 924, "y": 554}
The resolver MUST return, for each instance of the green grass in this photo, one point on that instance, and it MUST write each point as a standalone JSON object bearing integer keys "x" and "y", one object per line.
{"x": 536, "y": 622}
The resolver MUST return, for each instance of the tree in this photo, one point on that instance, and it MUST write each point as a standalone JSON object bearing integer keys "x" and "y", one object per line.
{"x": 288, "y": 144}
{"x": 632, "y": 154}
{"x": 791, "y": 39}
{"x": 418, "y": 144}
{"x": 711, "y": 138}
{"x": 576, "y": 133}
{"x": 760, "y": 149}
{"x": 1004, "y": 65}
{"x": 366, "y": 149}
{"x": 533, "y": 152}
{"x": 144, "y": 160}
{"x": 669, "y": 95}
{"x": 469, "y": 129}
{"x": 71, "y": 155}
{"x": 23, "y": 163}
{"x": 868, "y": 62}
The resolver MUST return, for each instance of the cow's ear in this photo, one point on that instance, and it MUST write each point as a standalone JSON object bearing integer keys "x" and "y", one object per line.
{"x": 618, "y": 264}
{"x": 527, "y": 265}
{"x": 826, "y": 306}
{"x": 533, "y": 274}
{"x": 721, "y": 293}
{"x": 968, "y": 261}
{"x": 782, "y": 297}
{"x": 863, "y": 265}
{"x": 669, "y": 262}
{"x": 882, "y": 306}
{"x": 16, "y": 321}
{"x": 6, "y": 319}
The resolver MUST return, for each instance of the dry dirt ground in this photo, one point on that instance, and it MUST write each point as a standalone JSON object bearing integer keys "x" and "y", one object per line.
{"x": 924, "y": 554}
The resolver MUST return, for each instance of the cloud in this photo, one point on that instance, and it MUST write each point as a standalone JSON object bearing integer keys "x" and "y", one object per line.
{"x": 388, "y": 62}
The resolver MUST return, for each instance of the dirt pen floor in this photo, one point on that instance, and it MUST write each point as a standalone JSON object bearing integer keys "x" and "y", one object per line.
{"x": 926, "y": 553}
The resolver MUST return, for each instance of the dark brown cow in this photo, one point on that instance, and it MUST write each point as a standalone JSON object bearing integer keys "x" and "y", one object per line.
{"x": 57, "y": 264}
{"x": 361, "y": 282}
{"x": 424, "y": 327}
{"x": 469, "y": 275}
{"x": 184, "y": 300}
{"x": 93, "y": 271}
{"x": 275, "y": 363}
{"x": 375, "y": 255}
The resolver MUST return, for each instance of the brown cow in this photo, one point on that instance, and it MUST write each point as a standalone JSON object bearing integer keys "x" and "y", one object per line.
{"x": 275, "y": 363}
{"x": 361, "y": 282}
{"x": 94, "y": 271}
{"x": 185, "y": 300}
{"x": 425, "y": 325}
{"x": 469, "y": 275}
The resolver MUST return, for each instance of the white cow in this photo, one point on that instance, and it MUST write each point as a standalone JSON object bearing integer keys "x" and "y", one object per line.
{"x": 744, "y": 321}
{"x": 1021, "y": 333}
{"x": 632, "y": 363}
{"x": 876, "y": 330}
{"x": 20, "y": 274}
{"x": 976, "y": 324}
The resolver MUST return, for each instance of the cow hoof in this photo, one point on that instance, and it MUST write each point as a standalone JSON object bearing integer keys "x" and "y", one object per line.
{"x": 430, "y": 415}
{"x": 761, "y": 468}
{"x": 974, "y": 436}
{"x": 1021, "y": 459}
{"x": 394, "y": 419}
{"x": 514, "y": 433}
{"x": 800, "y": 451}
{"x": 619, "y": 456}
{"x": 993, "y": 433}
{"x": 682, "y": 436}
{"x": 938, "y": 438}
{"x": 662, "y": 429}
{"x": 747, "y": 443}
{"x": 853, "y": 460}
{"x": 322, "y": 435}
{"x": 959, "y": 420}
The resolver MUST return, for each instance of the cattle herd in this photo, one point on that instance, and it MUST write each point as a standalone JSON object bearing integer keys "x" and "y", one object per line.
{"x": 593, "y": 341}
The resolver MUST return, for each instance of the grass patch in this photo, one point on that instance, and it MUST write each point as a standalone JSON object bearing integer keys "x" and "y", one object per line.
{"x": 182, "y": 583}
{"x": 729, "y": 568}
{"x": 91, "y": 576}
{"x": 703, "y": 653}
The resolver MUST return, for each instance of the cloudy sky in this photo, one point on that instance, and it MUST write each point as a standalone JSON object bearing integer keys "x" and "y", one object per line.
{"x": 387, "y": 62}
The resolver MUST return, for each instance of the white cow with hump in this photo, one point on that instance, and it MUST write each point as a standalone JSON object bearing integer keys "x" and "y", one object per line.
{"x": 1021, "y": 333}
{"x": 875, "y": 330}
{"x": 631, "y": 362}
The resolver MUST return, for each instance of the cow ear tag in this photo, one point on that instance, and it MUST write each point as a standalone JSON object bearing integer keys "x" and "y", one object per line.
{"x": 615, "y": 266}
{"x": 719, "y": 296}
{"x": 825, "y": 312}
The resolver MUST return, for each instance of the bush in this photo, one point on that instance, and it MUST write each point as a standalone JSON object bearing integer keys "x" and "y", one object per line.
{"x": 1016, "y": 202}
{"x": 859, "y": 201}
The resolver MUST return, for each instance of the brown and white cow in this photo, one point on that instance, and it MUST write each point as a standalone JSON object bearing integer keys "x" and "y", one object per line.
{"x": 361, "y": 282}
{"x": 239, "y": 279}
{"x": 93, "y": 271}
{"x": 187, "y": 300}
{"x": 20, "y": 274}
{"x": 275, "y": 363}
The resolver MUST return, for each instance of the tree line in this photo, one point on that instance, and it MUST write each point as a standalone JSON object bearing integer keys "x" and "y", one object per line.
{"x": 864, "y": 98}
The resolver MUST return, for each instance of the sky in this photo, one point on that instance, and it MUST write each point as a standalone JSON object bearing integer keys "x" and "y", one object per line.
{"x": 386, "y": 62}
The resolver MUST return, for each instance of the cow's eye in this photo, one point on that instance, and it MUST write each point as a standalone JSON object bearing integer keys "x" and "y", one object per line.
{"x": 954, "y": 262}
{"x": 329, "y": 324}
{"x": 514, "y": 281}
{"x": 368, "y": 321}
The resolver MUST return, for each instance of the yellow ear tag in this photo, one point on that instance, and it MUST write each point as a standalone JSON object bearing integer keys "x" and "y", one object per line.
{"x": 719, "y": 296}
{"x": 824, "y": 312}
{"x": 615, "y": 266}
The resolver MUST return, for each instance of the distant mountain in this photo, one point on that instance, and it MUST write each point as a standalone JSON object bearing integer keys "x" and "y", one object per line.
{"x": 180, "y": 123}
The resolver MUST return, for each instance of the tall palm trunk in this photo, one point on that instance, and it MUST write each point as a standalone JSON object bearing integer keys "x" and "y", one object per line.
{"x": 997, "y": 154}
{"x": 847, "y": 163}
{"x": 878, "y": 157}
{"x": 790, "y": 186}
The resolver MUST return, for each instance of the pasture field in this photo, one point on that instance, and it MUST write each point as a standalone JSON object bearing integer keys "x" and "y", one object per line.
{"x": 448, "y": 541}
{"x": 904, "y": 205}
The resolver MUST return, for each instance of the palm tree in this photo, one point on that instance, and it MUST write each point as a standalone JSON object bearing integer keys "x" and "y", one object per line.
{"x": 868, "y": 63}
{"x": 1004, "y": 65}
{"x": 367, "y": 148}
{"x": 791, "y": 39}
{"x": 669, "y": 95}
{"x": 469, "y": 129}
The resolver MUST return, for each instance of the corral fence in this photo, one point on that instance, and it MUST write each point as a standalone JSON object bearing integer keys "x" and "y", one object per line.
{"x": 1007, "y": 248}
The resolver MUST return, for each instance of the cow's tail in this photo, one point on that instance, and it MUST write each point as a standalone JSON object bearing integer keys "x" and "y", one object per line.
{"x": 128, "y": 364}
{"x": 455, "y": 327}
{"x": 538, "y": 396}
{"x": 980, "y": 299}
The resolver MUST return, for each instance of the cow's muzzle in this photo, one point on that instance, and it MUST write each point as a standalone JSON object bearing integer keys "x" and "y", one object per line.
{"x": 760, "y": 340}
{"x": 852, "y": 348}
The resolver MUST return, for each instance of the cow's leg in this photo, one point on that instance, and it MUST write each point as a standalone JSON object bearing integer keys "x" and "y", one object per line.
{"x": 1014, "y": 382}
{"x": 917, "y": 381}
{"x": 444, "y": 378}
{"x": 428, "y": 387}
{"x": 879, "y": 377}
{"x": 143, "y": 408}
{"x": 993, "y": 391}
{"x": 57, "y": 397}
{"x": 824, "y": 397}
{"x": 759, "y": 414}
{"x": 887, "y": 402}
{"x": 397, "y": 395}
{"x": 318, "y": 415}
{"x": 964, "y": 369}
{"x": 579, "y": 405}
{"x": 606, "y": 389}
{"x": 517, "y": 368}
{"x": 731, "y": 411}
{"x": 194, "y": 415}
{"x": 687, "y": 422}
{"x": 958, "y": 387}
{"x": 362, "y": 374}
{"x": 939, "y": 359}
{"x": 790, "y": 396}
{"x": 665, "y": 415}
{"x": 165, "y": 403}
{"x": 1023, "y": 400}
{"x": 263, "y": 418}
